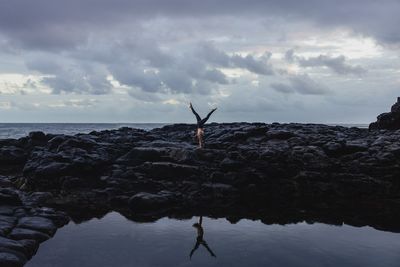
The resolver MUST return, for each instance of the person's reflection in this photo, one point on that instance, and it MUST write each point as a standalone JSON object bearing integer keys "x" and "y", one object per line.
{"x": 199, "y": 239}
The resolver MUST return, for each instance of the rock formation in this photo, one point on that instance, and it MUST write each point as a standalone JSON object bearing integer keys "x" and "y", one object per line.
{"x": 389, "y": 120}
{"x": 279, "y": 173}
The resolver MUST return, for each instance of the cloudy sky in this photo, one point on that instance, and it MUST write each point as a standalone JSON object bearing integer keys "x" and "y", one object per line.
{"x": 144, "y": 60}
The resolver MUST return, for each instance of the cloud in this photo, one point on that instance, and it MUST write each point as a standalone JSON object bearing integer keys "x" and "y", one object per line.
{"x": 74, "y": 103}
{"x": 6, "y": 105}
{"x": 337, "y": 64}
{"x": 256, "y": 65}
{"x": 56, "y": 24}
{"x": 144, "y": 65}
{"x": 208, "y": 51}
{"x": 301, "y": 84}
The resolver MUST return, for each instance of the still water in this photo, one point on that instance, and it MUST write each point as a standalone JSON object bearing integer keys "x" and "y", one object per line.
{"x": 115, "y": 241}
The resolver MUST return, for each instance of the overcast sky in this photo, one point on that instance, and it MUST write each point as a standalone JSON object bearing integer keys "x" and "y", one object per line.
{"x": 144, "y": 60}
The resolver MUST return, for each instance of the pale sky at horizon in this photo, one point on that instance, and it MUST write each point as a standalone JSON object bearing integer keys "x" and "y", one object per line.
{"x": 143, "y": 61}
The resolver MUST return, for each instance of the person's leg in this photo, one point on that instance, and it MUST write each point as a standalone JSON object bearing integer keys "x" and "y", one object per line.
{"x": 200, "y": 141}
{"x": 203, "y": 121}
{"x": 195, "y": 113}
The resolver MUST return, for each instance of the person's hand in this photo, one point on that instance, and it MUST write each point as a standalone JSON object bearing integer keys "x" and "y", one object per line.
{"x": 190, "y": 105}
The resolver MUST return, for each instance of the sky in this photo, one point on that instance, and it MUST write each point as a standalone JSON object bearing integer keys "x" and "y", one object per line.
{"x": 145, "y": 60}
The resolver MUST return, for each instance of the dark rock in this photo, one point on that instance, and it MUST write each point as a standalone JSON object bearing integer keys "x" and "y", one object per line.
{"x": 10, "y": 258}
{"x": 22, "y": 233}
{"x": 12, "y": 245}
{"x": 163, "y": 170}
{"x": 280, "y": 134}
{"x": 12, "y": 154}
{"x": 389, "y": 120}
{"x": 149, "y": 202}
{"x": 5, "y": 227}
{"x": 137, "y": 156}
{"x": 30, "y": 246}
{"x": 38, "y": 138}
{"x": 38, "y": 223}
{"x": 9, "y": 196}
{"x": 229, "y": 164}
{"x": 6, "y": 210}
{"x": 40, "y": 198}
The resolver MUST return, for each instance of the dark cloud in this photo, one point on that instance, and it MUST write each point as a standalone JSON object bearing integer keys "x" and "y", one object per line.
{"x": 70, "y": 77}
{"x": 57, "y": 24}
{"x": 143, "y": 64}
{"x": 337, "y": 64}
{"x": 249, "y": 62}
{"x": 301, "y": 84}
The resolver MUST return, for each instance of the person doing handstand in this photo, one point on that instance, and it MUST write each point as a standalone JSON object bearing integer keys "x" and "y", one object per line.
{"x": 200, "y": 125}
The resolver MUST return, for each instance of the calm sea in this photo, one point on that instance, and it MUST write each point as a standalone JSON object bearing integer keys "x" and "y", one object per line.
{"x": 17, "y": 130}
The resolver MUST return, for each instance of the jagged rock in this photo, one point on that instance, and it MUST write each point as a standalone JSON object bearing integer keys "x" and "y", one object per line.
{"x": 389, "y": 120}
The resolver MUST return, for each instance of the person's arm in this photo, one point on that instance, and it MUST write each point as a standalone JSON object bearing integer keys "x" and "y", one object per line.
{"x": 203, "y": 121}
{"x": 194, "y": 112}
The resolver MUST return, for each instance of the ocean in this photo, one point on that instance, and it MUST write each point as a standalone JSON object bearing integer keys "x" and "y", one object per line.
{"x": 17, "y": 130}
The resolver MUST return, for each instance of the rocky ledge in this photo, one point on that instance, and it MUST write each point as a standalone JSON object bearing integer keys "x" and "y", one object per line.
{"x": 274, "y": 172}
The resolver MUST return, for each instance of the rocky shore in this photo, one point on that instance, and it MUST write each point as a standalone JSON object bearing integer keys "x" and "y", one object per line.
{"x": 279, "y": 173}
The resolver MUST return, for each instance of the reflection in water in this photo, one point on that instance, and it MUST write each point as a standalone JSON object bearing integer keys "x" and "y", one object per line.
{"x": 116, "y": 241}
{"x": 200, "y": 239}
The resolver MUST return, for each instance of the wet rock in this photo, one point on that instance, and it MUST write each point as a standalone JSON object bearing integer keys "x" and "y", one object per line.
{"x": 10, "y": 258}
{"x": 22, "y": 233}
{"x": 38, "y": 223}
{"x": 10, "y": 244}
{"x": 30, "y": 247}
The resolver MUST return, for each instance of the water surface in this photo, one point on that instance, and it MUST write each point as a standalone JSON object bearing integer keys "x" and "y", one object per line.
{"x": 17, "y": 130}
{"x": 116, "y": 241}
